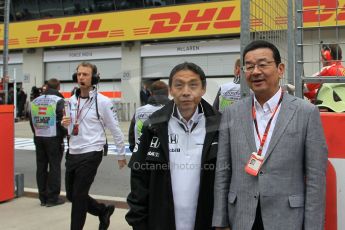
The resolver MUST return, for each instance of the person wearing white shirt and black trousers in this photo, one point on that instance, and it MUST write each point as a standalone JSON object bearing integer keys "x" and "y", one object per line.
{"x": 90, "y": 113}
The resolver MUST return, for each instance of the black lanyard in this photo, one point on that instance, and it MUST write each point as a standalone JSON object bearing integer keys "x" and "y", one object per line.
{"x": 79, "y": 112}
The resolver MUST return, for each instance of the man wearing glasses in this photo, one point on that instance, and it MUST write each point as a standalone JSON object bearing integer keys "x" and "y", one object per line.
{"x": 271, "y": 162}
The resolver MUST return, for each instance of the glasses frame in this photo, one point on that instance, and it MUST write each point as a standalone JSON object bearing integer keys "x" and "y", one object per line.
{"x": 260, "y": 66}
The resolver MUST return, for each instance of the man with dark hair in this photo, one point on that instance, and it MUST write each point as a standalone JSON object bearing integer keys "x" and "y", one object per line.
{"x": 331, "y": 56}
{"x": 229, "y": 92}
{"x": 159, "y": 97}
{"x": 272, "y": 155}
{"x": 46, "y": 115}
{"x": 173, "y": 165}
{"x": 54, "y": 84}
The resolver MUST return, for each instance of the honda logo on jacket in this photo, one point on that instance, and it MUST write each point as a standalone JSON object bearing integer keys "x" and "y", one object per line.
{"x": 155, "y": 142}
{"x": 173, "y": 138}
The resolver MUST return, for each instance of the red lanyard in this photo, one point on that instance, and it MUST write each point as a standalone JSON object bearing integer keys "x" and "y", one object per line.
{"x": 263, "y": 140}
{"x": 79, "y": 112}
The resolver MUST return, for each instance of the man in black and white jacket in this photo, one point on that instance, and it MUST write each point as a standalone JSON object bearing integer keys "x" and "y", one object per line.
{"x": 173, "y": 166}
{"x": 90, "y": 114}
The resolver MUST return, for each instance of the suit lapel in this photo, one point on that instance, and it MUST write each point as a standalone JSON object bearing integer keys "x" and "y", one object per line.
{"x": 247, "y": 123}
{"x": 286, "y": 113}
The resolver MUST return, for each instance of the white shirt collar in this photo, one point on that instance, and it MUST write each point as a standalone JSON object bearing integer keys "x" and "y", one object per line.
{"x": 198, "y": 113}
{"x": 269, "y": 105}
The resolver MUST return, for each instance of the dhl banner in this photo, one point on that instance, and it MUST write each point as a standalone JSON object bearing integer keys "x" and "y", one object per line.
{"x": 215, "y": 18}
{"x": 323, "y": 13}
{"x": 316, "y": 13}
{"x": 165, "y": 22}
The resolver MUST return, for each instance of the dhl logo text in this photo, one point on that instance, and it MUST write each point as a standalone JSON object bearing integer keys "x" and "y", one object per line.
{"x": 322, "y": 11}
{"x": 218, "y": 18}
{"x": 74, "y": 30}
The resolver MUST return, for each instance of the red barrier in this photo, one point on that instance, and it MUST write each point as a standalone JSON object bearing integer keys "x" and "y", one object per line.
{"x": 6, "y": 152}
{"x": 334, "y": 128}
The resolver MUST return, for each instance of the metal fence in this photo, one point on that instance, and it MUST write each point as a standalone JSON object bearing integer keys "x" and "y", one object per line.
{"x": 272, "y": 21}
{"x": 299, "y": 29}
{"x": 318, "y": 23}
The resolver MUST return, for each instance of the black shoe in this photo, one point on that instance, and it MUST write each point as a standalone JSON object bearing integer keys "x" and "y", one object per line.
{"x": 43, "y": 201}
{"x": 104, "y": 220}
{"x": 57, "y": 202}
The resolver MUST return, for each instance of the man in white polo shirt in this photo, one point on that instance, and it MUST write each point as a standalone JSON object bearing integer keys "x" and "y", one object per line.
{"x": 173, "y": 165}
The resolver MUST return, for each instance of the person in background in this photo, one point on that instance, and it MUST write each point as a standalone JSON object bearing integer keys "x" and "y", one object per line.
{"x": 173, "y": 164}
{"x": 21, "y": 100}
{"x": 46, "y": 115}
{"x": 159, "y": 97}
{"x": 144, "y": 94}
{"x": 10, "y": 96}
{"x": 44, "y": 87}
{"x": 272, "y": 155}
{"x": 35, "y": 92}
{"x": 331, "y": 56}
{"x": 90, "y": 113}
{"x": 230, "y": 92}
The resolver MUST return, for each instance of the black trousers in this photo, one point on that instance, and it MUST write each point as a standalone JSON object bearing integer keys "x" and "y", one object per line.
{"x": 49, "y": 152}
{"x": 258, "y": 225}
{"x": 81, "y": 170}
